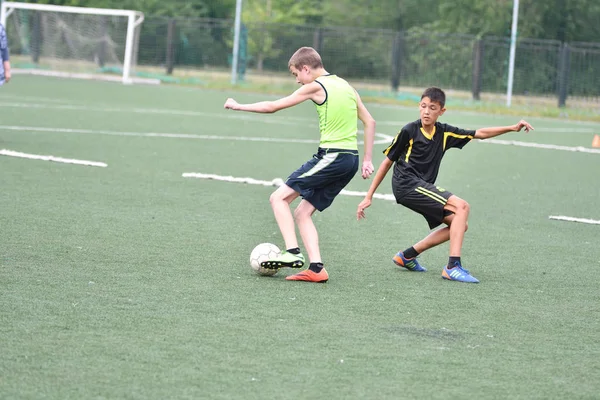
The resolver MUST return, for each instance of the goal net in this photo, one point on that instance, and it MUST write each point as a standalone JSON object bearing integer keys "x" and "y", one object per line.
{"x": 76, "y": 42}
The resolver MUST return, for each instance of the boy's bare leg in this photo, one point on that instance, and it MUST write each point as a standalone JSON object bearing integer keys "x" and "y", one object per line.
{"x": 458, "y": 227}
{"x": 308, "y": 231}
{"x": 310, "y": 238}
{"x": 442, "y": 235}
{"x": 453, "y": 270}
{"x": 280, "y": 203}
{"x": 435, "y": 238}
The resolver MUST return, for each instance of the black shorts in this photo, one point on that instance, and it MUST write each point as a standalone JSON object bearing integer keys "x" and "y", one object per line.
{"x": 323, "y": 177}
{"x": 426, "y": 199}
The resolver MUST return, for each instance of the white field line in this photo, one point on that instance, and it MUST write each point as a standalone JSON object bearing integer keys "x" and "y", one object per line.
{"x": 287, "y": 120}
{"x": 20, "y": 98}
{"x": 162, "y": 111}
{"x": 75, "y": 75}
{"x": 10, "y": 153}
{"x": 275, "y": 182}
{"x": 384, "y": 138}
{"x": 561, "y": 130}
{"x": 278, "y": 182}
{"x": 480, "y": 113}
{"x": 283, "y": 120}
{"x": 250, "y": 117}
{"x": 542, "y": 146}
{"x": 572, "y": 219}
{"x": 400, "y": 124}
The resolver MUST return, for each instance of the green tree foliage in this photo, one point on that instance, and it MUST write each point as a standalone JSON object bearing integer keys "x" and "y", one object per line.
{"x": 172, "y": 8}
{"x": 378, "y": 14}
{"x": 263, "y": 17}
{"x": 564, "y": 20}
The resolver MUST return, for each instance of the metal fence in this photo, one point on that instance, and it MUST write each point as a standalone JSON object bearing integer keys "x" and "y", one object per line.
{"x": 394, "y": 59}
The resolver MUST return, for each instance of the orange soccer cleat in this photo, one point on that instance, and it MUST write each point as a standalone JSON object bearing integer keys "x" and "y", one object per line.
{"x": 309, "y": 276}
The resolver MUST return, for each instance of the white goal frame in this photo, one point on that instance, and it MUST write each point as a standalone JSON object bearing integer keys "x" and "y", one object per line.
{"x": 134, "y": 19}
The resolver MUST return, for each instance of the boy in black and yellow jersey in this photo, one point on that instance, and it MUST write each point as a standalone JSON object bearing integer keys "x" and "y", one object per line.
{"x": 417, "y": 152}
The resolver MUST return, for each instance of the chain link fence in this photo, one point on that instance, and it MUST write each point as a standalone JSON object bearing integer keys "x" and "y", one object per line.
{"x": 176, "y": 47}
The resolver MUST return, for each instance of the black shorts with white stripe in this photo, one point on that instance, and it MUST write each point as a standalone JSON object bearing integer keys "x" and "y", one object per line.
{"x": 426, "y": 199}
{"x": 323, "y": 177}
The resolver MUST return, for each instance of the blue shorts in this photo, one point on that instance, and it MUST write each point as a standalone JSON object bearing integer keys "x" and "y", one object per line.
{"x": 324, "y": 176}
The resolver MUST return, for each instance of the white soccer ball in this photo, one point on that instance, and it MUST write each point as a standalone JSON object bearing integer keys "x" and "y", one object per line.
{"x": 264, "y": 252}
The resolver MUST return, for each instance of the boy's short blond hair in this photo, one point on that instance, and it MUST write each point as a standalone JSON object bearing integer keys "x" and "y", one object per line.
{"x": 305, "y": 56}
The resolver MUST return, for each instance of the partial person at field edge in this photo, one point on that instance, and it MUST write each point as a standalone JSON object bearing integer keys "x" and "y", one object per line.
{"x": 417, "y": 152}
{"x": 323, "y": 177}
{"x": 5, "y": 73}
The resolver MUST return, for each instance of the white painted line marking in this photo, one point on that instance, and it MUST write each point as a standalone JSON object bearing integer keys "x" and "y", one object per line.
{"x": 538, "y": 131}
{"x": 274, "y": 182}
{"x": 282, "y": 120}
{"x": 270, "y": 119}
{"x": 541, "y": 145}
{"x": 384, "y": 138}
{"x": 76, "y": 75}
{"x": 16, "y": 98}
{"x": 571, "y": 219}
{"x": 11, "y": 153}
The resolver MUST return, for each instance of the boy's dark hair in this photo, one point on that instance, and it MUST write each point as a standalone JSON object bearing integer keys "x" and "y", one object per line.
{"x": 436, "y": 95}
{"x": 305, "y": 56}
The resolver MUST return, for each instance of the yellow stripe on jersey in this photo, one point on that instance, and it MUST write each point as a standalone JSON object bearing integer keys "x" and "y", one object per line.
{"x": 431, "y": 194}
{"x": 446, "y": 134}
{"x": 386, "y": 151}
{"x": 410, "y": 144}
{"x": 427, "y": 135}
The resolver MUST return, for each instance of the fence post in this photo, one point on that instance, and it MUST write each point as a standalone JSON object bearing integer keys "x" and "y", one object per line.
{"x": 318, "y": 40}
{"x": 36, "y": 39}
{"x": 477, "y": 68}
{"x": 170, "y": 45}
{"x": 102, "y": 44}
{"x": 563, "y": 74}
{"x": 397, "y": 54}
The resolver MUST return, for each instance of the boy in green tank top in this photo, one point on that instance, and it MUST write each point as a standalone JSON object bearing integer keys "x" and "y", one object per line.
{"x": 323, "y": 177}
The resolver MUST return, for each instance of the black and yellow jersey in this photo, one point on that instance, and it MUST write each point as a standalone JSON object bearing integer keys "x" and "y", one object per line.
{"x": 418, "y": 155}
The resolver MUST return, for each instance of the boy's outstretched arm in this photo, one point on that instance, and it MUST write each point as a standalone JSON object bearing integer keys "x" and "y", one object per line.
{"x": 369, "y": 128}
{"x": 382, "y": 171}
{"x": 305, "y": 92}
{"x": 486, "y": 133}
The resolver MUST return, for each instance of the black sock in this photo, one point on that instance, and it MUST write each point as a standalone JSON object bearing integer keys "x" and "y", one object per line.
{"x": 410, "y": 253}
{"x": 453, "y": 260}
{"x": 316, "y": 267}
{"x": 294, "y": 251}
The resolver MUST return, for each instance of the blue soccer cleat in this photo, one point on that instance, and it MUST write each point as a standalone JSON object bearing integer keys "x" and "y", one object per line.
{"x": 458, "y": 273}
{"x": 410, "y": 264}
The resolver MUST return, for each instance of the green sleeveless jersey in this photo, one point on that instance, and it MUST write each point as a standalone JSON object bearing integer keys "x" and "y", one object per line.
{"x": 337, "y": 114}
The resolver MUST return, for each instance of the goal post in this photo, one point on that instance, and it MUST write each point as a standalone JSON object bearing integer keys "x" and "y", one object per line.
{"x": 74, "y": 41}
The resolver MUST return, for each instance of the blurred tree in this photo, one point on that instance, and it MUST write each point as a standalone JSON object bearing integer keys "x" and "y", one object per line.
{"x": 564, "y": 20}
{"x": 261, "y": 15}
{"x": 172, "y": 8}
{"x": 383, "y": 14}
